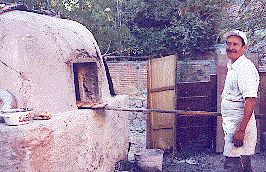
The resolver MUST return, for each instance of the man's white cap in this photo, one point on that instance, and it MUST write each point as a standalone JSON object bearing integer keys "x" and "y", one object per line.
{"x": 236, "y": 33}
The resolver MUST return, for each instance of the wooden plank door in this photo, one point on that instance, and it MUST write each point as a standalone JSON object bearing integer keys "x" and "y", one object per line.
{"x": 196, "y": 131}
{"x": 161, "y": 95}
{"x": 168, "y": 131}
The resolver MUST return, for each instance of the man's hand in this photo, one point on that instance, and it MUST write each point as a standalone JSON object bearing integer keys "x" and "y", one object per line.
{"x": 238, "y": 138}
{"x": 239, "y": 135}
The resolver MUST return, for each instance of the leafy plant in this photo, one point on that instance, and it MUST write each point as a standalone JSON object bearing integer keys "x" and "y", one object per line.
{"x": 186, "y": 28}
{"x": 251, "y": 18}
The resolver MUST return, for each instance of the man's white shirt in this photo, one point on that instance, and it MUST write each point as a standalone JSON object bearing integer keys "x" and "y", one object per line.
{"x": 242, "y": 81}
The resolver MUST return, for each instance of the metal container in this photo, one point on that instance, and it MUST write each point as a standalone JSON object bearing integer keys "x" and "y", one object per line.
{"x": 16, "y": 116}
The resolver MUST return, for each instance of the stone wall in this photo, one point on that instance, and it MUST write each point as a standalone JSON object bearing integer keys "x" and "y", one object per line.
{"x": 137, "y": 125}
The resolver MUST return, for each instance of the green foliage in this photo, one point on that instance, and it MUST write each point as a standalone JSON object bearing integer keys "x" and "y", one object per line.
{"x": 100, "y": 18}
{"x": 187, "y": 28}
{"x": 251, "y": 19}
{"x": 52, "y": 5}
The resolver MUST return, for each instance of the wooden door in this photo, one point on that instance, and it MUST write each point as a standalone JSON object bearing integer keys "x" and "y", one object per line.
{"x": 171, "y": 131}
{"x": 161, "y": 95}
{"x": 197, "y": 96}
{"x": 196, "y": 131}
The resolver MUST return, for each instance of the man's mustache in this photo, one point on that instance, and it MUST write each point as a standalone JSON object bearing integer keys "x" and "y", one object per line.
{"x": 230, "y": 51}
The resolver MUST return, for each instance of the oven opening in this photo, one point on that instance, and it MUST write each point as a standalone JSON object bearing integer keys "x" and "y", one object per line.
{"x": 86, "y": 82}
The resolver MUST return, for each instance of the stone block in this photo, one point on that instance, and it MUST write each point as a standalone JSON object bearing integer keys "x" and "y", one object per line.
{"x": 138, "y": 103}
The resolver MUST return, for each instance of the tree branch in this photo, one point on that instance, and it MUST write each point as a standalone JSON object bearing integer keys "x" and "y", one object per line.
{"x": 119, "y": 51}
{"x": 107, "y": 48}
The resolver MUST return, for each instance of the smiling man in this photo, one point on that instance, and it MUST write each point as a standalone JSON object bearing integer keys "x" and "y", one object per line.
{"x": 238, "y": 102}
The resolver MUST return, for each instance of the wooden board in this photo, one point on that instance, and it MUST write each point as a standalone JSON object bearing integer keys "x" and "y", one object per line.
{"x": 163, "y": 100}
{"x": 161, "y": 95}
{"x": 167, "y": 131}
{"x": 196, "y": 131}
{"x": 163, "y": 72}
{"x": 164, "y": 138}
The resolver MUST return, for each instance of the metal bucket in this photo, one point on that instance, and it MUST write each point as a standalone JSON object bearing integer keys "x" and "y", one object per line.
{"x": 150, "y": 159}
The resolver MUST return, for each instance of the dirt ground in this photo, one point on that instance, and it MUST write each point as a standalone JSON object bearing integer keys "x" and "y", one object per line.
{"x": 186, "y": 161}
{"x": 194, "y": 161}
{"x": 205, "y": 160}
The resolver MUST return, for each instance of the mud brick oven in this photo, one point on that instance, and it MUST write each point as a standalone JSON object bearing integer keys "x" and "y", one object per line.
{"x": 48, "y": 64}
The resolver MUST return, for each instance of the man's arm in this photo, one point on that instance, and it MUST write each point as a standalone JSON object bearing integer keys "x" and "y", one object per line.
{"x": 239, "y": 135}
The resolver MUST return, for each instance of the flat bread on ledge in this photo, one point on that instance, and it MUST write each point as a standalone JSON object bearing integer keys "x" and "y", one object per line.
{"x": 42, "y": 116}
{"x": 90, "y": 105}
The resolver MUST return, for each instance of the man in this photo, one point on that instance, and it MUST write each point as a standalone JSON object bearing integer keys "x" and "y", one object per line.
{"x": 238, "y": 102}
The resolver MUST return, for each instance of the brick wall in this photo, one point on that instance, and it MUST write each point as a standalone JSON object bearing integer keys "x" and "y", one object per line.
{"x": 129, "y": 77}
{"x": 197, "y": 70}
